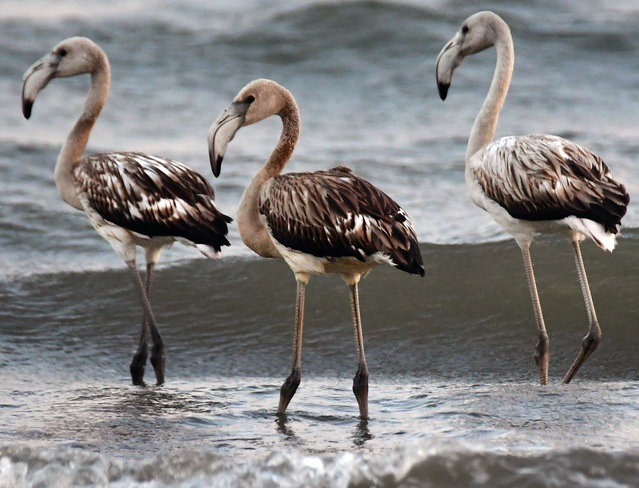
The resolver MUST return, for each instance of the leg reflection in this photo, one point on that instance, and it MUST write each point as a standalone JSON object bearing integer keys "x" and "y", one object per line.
{"x": 362, "y": 434}
{"x": 284, "y": 427}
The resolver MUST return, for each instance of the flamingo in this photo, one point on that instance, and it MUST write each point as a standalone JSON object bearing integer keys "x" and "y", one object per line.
{"x": 533, "y": 183}
{"x": 131, "y": 199}
{"x": 328, "y": 221}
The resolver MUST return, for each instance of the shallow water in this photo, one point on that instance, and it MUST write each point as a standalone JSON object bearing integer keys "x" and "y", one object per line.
{"x": 454, "y": 399}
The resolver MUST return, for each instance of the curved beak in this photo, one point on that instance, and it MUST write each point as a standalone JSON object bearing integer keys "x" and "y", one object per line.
{"x": 35, "y": 79}
{"x": 447, "y": 61}
{"x": 222, "y": 132}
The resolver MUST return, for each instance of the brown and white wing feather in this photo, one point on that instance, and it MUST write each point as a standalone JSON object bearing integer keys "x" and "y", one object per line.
{"x": 542, "y": 177}
{"x": 335, "y": 214}
{"x": 152, "y": 196}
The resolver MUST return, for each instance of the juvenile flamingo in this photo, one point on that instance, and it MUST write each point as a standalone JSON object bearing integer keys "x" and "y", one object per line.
{"x": 535, "y": 183}
{"x": 327, "y": 221}
{"x": 132, "y": 199}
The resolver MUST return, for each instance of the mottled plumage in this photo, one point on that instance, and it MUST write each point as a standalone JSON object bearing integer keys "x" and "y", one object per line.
{"x": 335, "y": 214}
{"x": 544, "y": 177}
{"x": 533, "y": 183}
{"x": 132, "y": 199}
{"x": 327, "y": 221}
{"x": 152, "y": 197}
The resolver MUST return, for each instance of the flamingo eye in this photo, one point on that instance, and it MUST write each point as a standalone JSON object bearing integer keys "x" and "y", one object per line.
{"x": 62, "y": 52}
{"x": 249, "y": 99}
{"x": 465, "y": 29}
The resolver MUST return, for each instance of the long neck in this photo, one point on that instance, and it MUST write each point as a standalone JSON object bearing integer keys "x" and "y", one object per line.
{"x": 483, "y": 130}
{"x": 71, "y": 152}
{"x": 252, "y": 231}
{"x": 288, "y": 139}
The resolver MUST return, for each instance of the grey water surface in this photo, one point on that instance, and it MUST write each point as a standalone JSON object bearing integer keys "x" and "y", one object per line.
{"x": 454, "y": 399}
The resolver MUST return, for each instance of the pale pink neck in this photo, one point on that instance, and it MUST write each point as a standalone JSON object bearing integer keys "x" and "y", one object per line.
{"x": 72, "y": 149}
{"x": 485, "y": 125}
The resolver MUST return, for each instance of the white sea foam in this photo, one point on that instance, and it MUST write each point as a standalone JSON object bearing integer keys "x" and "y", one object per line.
{"x": 419, "y": 463}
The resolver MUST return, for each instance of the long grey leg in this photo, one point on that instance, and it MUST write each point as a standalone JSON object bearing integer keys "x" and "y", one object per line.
{"x": 157, "y": 351}
{"x": 360, "y": 381}
{"x": 593, "y": 337}
{"x": 291, "y": 383}
{"x": 148, "y": 328}
{"x": 542, "y": 351}
{"x": 138, "y": 363}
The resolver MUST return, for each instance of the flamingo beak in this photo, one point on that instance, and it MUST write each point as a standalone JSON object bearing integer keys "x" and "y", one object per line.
{"x": 449, "y": 58}
{"x": 35, "y": 79}
{"x": 222, "y": 132}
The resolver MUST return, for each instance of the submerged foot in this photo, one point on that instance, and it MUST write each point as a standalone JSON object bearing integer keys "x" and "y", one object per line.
{"x": 288, "y": 389}
{"x": 360, "y": 389}
{"x": 588, "y": 346}
{"x": 138, "y": 365}
{"x": 542, "y": 358}
{"x": 157, "y": 361}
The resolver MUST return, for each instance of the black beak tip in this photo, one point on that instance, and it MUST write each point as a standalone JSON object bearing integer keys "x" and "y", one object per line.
{"x": 443, "y": 90}
{"x": 216, "y": 164}
{"x": 26, "y": 108}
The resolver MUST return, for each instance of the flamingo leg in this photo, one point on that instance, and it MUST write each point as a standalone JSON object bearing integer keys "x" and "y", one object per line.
{"x": 138, "y": 363}
{"x": 360, "y": 381}
{"x": 148, "y": 328}
{"x": 593, "y": 337}
{"x": 291, "y": 383}
{"x": 157, "y": 351}
{"x": 542, "y": 351}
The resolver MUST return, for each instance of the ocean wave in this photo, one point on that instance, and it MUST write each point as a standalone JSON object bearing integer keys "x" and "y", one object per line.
{"x": 473, "y": 306}
{"x": 419, "y": 463}
{"x": 318, "y": 32}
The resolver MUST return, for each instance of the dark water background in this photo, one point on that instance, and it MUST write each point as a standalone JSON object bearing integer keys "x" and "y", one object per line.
{"x": 454, "y": 398}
